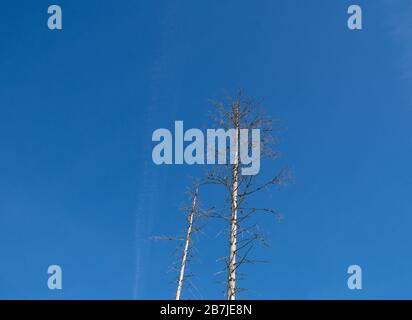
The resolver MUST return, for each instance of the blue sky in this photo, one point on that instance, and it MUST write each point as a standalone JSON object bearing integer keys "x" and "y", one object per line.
{"x": 78, "y": 187}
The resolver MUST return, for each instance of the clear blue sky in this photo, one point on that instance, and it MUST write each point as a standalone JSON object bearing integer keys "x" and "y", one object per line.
{"x": 77, "y": 109}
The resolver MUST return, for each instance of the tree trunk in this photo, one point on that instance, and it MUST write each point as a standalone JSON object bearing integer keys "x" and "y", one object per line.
{"x": 231, "y": 292}
{"x": 186, "y": 247}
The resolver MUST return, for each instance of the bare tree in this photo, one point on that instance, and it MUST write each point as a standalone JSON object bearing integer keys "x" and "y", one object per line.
{"x": 193, "y": 213}
{"x": 190, "y": 220}
{"x": 239, "y": 113}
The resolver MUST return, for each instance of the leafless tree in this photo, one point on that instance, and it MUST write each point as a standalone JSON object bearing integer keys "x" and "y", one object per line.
{"x": 239, "y": 113}
{"x": 190, "y": 221}
{"x": 193, "y": 214}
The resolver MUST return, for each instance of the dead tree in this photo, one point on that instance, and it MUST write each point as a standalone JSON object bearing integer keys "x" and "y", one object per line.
{"x": 193, "y": 214}
{"x": 239, "y": 113}
{"x": 190, "y": 220}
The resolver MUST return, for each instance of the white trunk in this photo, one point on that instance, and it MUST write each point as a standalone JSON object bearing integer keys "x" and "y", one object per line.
{"x": 186, "y": 247}
{"x": 231, "y": 292}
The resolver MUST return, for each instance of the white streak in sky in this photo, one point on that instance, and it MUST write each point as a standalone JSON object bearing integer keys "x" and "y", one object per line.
{"x": 149, "y": 185}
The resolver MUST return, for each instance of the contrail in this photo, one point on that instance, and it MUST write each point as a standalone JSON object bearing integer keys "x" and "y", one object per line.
{"x": 149, "y": 186}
